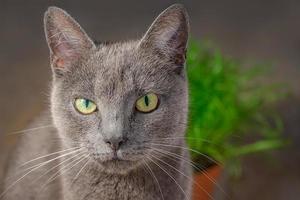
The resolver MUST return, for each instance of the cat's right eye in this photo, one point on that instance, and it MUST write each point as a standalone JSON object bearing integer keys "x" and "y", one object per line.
{"x": 85, "y": 106}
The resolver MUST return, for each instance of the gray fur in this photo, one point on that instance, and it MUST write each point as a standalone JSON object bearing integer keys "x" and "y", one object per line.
{"x": 113, "y": 76}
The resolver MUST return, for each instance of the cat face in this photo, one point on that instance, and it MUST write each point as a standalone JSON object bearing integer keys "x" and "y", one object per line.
{"x": 117, "y": 100}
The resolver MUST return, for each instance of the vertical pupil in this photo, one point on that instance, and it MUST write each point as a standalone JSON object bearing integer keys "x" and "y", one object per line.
{"x": 86, "y": 102}
{"x": 147, "y": 100}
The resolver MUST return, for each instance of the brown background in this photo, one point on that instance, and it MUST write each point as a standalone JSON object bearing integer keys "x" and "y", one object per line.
{"x": 257, "y": 30}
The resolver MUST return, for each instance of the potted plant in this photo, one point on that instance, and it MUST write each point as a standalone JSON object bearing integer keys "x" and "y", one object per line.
{"x": 227, "y": 104}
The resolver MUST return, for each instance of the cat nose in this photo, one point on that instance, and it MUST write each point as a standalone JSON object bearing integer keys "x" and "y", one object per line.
{"x": 115, "y": 143}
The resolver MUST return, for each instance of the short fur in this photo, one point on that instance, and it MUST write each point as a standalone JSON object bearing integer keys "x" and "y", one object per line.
{"x": 113, "y": 76}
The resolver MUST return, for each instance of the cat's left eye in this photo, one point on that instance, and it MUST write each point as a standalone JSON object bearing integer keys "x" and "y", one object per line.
{"x": 147, "y": 103}
{"x": 85, "y": 106}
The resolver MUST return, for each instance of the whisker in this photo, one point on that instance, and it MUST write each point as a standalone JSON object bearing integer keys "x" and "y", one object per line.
{"x": 84, "y": 165}
{"x": 154, "y": 177}
{"x": 186, "y": 197}
{"x": 174, "y": 138}
{"x": 51, "y": 160}
{"x": 14, "y": 183}
{"x": 189, "y": 149}
{"x": 57, "y": 141}
{"x": 179, "y": 157}
{"x": 65, "y": 139}
{"x": 40, "y": 164}
{"x": 29, "y": 172}
{"x": 56, "y": 166}
{"x": 183, "y": 175}
{"x": 193, "y": 164}
{"x": 28, "y": 130}
{"x": 65, "y": 169}
{"x": 45, "y": 156}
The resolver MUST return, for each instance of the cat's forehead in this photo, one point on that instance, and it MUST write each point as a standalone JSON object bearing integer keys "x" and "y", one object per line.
{"x": 119, "y": 70}
{"x": 113, "y": 65}
{"x": 115, "y": 55}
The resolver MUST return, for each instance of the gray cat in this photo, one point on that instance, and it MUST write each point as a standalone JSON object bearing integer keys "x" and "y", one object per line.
{"x": 118, "y": 113}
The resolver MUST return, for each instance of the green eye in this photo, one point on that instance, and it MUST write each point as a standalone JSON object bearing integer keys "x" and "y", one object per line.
{"x": 85, "y": 106}
{"x": 147, "y": 103}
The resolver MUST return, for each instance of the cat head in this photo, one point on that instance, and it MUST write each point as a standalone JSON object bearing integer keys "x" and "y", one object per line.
{"x": 118, "y": 101}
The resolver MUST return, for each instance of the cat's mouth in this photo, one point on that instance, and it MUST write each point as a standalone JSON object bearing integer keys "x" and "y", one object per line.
{"x": 118, "y": 162}
{"x": 118, "y": 165}
{"x": 114, "y": 157}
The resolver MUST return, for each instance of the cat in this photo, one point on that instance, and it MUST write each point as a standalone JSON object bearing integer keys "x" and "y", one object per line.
{"x": 117, "y": 115}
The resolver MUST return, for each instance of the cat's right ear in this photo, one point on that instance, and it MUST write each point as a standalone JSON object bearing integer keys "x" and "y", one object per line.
{"x": 67, "y": 41}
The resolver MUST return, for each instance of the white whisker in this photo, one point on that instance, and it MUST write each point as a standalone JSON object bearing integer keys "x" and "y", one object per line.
{"x": 189, "y": 149}
{"x": 64, "y": 169}
{"x": 28, "y": 130}
{"x": 186, "y": 138}
{"x": 179, "y": 186}
{"x": 84, "y": 165}
{"x": 56, "y": 166}
{"x": 51, "y": 160}
{"x": 189, "y": 178}
{"x": 45, "y": 156}
{"x": 29, "y": 172}
{"x": 154, "y": 177}
{"x": 193, "y": 164}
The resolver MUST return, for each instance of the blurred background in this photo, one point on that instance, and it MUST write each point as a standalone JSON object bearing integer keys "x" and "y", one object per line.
{"x": 256, "y": 30}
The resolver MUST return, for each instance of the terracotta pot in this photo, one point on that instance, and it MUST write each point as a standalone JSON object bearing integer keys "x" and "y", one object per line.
{"x": 204, "y": 185}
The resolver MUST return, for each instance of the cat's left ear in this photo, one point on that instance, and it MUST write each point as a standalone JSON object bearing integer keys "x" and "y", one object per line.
{"x": 168, "y": 34}
{"x": 67, "y": 41}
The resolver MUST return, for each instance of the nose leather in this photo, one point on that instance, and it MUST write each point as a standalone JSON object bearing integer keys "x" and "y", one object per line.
{"x": 115, "y": 142}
